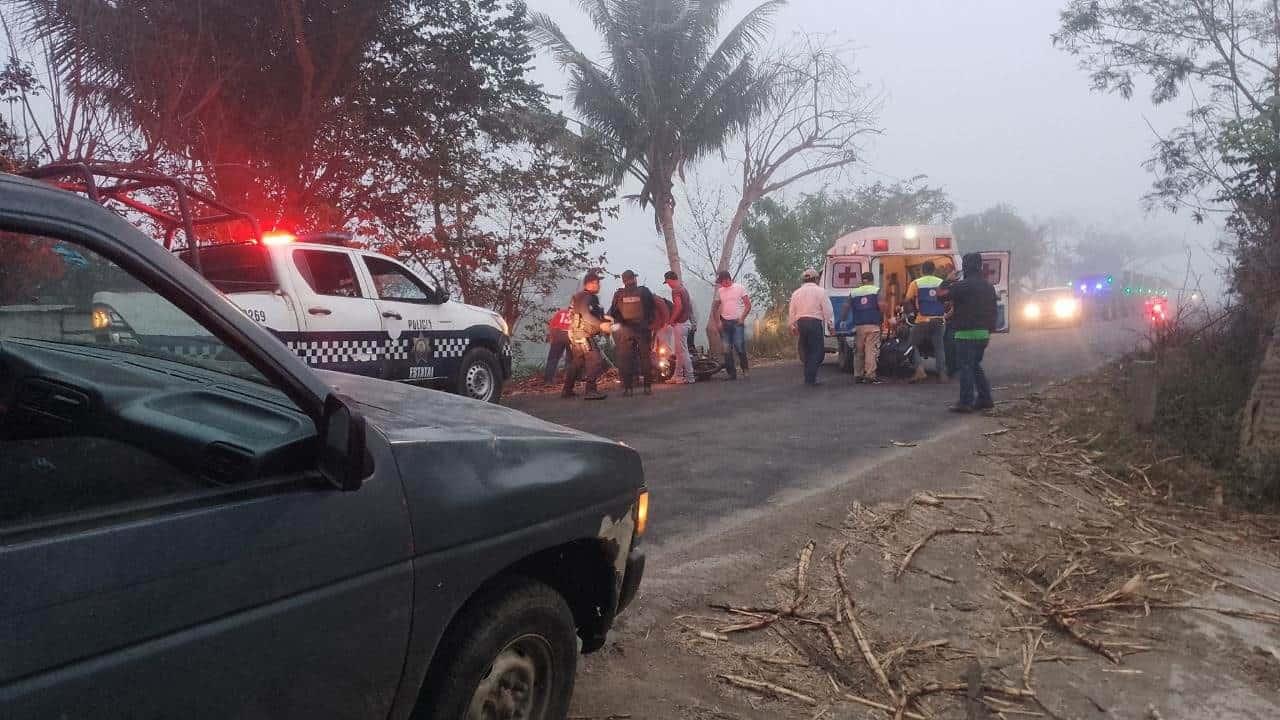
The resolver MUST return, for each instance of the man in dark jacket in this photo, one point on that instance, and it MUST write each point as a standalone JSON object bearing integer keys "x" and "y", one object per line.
{"x": 587, "y": 321}
{"x": 633, "y": 310}
{"x": 974, "y": 301}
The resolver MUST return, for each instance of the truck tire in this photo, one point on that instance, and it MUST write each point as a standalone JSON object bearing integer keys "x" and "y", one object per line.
{"x": 512, "y": 652}
{"x": 480, "y": 375}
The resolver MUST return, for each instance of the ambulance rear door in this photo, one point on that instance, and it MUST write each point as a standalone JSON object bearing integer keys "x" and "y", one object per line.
{"x": 995, "y": 268}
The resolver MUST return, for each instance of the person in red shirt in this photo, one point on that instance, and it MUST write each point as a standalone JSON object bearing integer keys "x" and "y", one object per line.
{"x": 557, "y": 342}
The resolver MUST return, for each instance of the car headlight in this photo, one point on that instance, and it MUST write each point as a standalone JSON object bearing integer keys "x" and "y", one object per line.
{"x": 1065, "y": 308}
{"x": 642, "y": 512}
{"x": 1032, "y": 310}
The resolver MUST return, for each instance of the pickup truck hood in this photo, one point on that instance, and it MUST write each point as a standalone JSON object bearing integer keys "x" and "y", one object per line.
{"x": 474, "y": 471}
{"x": 405, "y": 413}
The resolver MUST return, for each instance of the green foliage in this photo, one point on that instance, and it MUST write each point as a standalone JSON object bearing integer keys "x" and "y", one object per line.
{"x": 670, "y": 93}
{"x": 1001, "y": 228}
{"x": 1222, "y": 56}
{"x": 412, "y": 122}
{"x": 786, "y": 240}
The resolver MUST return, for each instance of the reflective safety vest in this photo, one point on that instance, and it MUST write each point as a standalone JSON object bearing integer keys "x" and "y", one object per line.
{"x": 866, "y": 305}
{"x": 927, "y": 300}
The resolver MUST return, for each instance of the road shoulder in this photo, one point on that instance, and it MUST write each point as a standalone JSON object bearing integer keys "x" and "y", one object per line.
{"x": 1009, "y": 541}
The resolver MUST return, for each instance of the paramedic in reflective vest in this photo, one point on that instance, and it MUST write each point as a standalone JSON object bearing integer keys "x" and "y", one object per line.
{"x": 587, "y": 321}
{"x": 557, "y": 342}
{"x": 633, "y": 310}
{"x": 867, "y": 308}
{"x": 930, "y": 322}
{"x": 974, "y": 317}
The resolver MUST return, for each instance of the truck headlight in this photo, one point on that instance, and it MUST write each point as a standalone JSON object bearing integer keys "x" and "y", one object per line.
{"x": 642, "y": 512}
{"x": 1065, "y": 308}
{"x": 1032, "y": 310}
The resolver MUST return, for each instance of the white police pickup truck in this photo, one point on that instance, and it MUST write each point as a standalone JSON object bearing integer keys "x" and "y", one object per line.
{"x": 336, "y": 307}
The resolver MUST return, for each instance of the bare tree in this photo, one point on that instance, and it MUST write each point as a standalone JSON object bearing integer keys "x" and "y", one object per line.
{"x": 815, "y": 115}
{"x": 703, "y": 237}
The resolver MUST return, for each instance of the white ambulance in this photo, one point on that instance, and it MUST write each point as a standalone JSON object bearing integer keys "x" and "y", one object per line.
{"x": 896, "y": 255}
{"x": 339, "y": 308}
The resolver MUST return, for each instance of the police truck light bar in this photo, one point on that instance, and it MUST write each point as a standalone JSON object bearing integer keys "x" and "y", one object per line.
{"x": 880, "y": 245}
{"x": 942, "y": 243}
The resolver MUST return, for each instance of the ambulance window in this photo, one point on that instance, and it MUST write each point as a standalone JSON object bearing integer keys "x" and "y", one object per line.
{"x": 328, "y": 273}
{"x": 991, "y": 270}
{"x": 846, "y": 274}
{"x": 394, "y": 282}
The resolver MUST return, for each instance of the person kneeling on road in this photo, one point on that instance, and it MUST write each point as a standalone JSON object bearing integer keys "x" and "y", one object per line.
{"x": 867, "y": 306}
{"x": 588, "y": 321}
{"x": 974, "y": 318}
{"x": 633, "y": 308}
{"x": 810, "y": 312}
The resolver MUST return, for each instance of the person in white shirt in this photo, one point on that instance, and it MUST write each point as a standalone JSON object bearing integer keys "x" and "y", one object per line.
{"x": 810, "y": 312}
{"x": 734, "y": 306}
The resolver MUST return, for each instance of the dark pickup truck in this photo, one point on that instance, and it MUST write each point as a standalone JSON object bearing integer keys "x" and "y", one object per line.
{"x": 231, "y": 534}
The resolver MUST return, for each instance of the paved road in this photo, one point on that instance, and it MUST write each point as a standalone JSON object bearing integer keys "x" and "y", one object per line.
{"x": 719, "y": 449}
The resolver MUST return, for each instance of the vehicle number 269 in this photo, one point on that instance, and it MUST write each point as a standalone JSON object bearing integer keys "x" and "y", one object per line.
{"x": 256, "y": 315}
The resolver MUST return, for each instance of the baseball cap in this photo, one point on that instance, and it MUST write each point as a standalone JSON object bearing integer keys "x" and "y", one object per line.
{"x": 671, "y": 275}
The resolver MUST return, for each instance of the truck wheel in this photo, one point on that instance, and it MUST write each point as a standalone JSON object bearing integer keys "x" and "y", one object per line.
{"x": 510, "y": 654}
{"x": 480, "y": 375}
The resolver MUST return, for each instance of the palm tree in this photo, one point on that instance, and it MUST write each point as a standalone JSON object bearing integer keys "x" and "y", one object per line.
{"x": 669, "y": 94}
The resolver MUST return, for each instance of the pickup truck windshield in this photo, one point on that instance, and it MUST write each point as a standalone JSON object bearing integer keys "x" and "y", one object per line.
{"x": 55, "y": 291}
{"x": 236, "y": 268}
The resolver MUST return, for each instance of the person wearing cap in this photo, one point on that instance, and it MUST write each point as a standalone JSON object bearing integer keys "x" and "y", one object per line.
{"x": 588, "y": 321}
{"x": 733, "y": 306}
{"x": 974, "y": 302}
{"x": 634, "y": 310}
{"x": 681, "y": 316}
{"x": 808, "y": 315}
{"x": 867, "y": 307}
{"x": 922, "y": 293}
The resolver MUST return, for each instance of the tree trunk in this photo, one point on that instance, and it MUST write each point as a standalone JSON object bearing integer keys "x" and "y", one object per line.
{"x": 667, "y": 219}
{"x": 731, "y": 237}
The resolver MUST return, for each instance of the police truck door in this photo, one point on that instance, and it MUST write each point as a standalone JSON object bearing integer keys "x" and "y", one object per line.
{"x": 341, "y": 328}
{"x": 411, "y": 317}
{"x": 995, "y": 268}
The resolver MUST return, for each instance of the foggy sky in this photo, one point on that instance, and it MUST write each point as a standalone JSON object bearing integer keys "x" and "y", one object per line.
{"x": 976, "y": 97}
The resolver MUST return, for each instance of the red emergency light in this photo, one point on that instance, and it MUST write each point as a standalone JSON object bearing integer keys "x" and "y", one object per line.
{"x": 880, "y": 245}
{"x": 278, "y": 237}
{"x": 942, "y": 243}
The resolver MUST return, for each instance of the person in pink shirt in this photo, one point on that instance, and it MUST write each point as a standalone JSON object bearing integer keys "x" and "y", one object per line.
{"x": 734, "y": 306}
{"x": 808, "y": 315}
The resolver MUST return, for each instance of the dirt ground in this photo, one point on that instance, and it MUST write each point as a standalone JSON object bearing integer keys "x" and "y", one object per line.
{"x": 1030, "y": 579}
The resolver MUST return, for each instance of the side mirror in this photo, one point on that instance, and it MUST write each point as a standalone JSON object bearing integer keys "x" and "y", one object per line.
{"x": 442, "y": 297}
{"x": 342, "y": 452}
